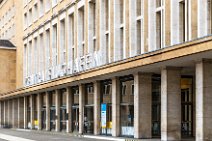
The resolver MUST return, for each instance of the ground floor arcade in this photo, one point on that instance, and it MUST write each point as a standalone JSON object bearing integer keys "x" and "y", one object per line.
{"x": 171, "y": 103}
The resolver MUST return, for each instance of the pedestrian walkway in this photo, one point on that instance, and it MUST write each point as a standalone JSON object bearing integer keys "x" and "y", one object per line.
{"x": 13, "y": 138}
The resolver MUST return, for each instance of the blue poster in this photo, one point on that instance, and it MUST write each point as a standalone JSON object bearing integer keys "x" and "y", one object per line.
{"x": 104, "y": 115}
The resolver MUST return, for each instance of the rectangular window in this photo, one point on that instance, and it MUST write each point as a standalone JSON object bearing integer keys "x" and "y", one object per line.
{"x": 30, "y": 58}
{"x": 71, "y": 20}
{"x": 54, "y": 3}
{"x": 123, "y": 89}
{"x": 30, "y": 17}
{"x": 41, "y": 8}
{"x": 25, "y": 21}
{"x": 25, "y": 61}
{"x": 47, "y": 47}
{"x": 62, "y": 42}
{"x": 41, "y": 53}
{"x": 158, "y": 29}
{"x": 35, "y": 12}
{"x": 47, "y": 5}
{"x": 54, "y": 47}
{"x": 107, "y": 14}
{"x": 81, "y": 29}
{"x": 132, "y": 89}
{"x": 159, "y": 24}
{"x": 92, "y": 24}
{"x": 183, "y": 21}
{"x": 35, "y": 56}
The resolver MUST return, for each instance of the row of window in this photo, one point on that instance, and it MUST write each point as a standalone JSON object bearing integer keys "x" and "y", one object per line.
{"x": 53, "y": 50}
{"x": 7, "y": 17}
{"x": 8, "y": 33}
{"x": 37, "y": 10}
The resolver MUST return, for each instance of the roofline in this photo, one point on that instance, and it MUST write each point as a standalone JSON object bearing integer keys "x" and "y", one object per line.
{"x": 2, "y": 47}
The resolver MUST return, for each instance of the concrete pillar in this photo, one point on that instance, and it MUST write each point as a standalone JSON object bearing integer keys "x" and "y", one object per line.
{"x": 57, "y": 92}
{"x": 10, "y": 109}
{"x": 39, "y": 106}
{"x": 115, "y": 107}
{"x": 0, "y": 114}
{"x": 170, "y": 104}
{"x": 47, "y": 112}
{"x": 69, "y": 103}
{"x": 81, "y": 107}
{"x": 25, "y": 113}
{"x": 97, "y": 112}
{"x": 21, "y": 112}
{"x": 32, "y": 106}
{"x": 142, "y": 105}
{"x": 4, "y": 114}
{"x": 204, "y": 100}
{"x": 8, "y": 114}
{"x": 15, "y": 112}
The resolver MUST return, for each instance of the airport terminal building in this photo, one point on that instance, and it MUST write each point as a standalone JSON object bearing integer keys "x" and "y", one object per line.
{"x": 132, "y": 68}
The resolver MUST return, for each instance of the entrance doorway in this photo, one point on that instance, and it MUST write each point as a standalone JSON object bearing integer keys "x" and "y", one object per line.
{"x": 106, "y": 107}
{"x": 186, "y": 107}
{"x": 52, "y": 118}
{"x": 43, "y": 118}
{"x": 127, "y": 105}
{"x": 75, "y": 117}
{"x": 63, "y": 118}
{"x": 156, "y": 106}
{"x": 89, "y": 119}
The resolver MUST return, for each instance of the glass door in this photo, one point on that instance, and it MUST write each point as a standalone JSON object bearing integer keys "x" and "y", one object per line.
{"x": 43, "y": 118}
{"x": 187, "y": 112}
{"x": 156, "y": 106}
{"x": 63, "y": 118}
{"x": 89, "y": 120}
{"x": 52, "y": 118}
{"x": 75, "y": 117}
{"x": 186, "y": 107}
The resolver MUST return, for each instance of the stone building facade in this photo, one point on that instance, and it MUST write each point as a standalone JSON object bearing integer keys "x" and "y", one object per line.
{"x": 134, "y": 68}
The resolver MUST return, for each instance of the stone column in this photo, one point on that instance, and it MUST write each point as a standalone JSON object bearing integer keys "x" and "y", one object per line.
{"x": 47, "y": 112}
{"x": 69, "y": 104}
{"x": 32, "y": 106}
{"x": 25, "y": 112}
{"x": 81, "y": 108}
{"x": 5, "y": 115}
{"x": 0, "y": 115}
{"x": 15, "y": 109}
{"x": 142, "y": 105}
{"x": 170, "y": 104}
{"x": 97, "y": 112}
{"x": 21, "y": 112}
{"x": 57, "y": 95}
{"x": 39, "y": 106}
{"x": 115, "y": 107}
{"x": 10, "y": 115}
{"x": 204, "y": 100}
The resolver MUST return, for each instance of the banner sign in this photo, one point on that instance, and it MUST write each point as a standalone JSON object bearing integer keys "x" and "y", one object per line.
{"x": 104, "y": 115}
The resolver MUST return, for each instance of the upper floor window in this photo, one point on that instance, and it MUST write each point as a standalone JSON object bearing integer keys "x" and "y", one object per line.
{"x": 54, "y": 3}
{"x": 183, "y": 20}
{"x": 25, "y": 20}
{"x": 35, "y": 12}
{"x": 30, "y": 17}
{"x": 41, "y": 8}
{"x": 159, "y": 24}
